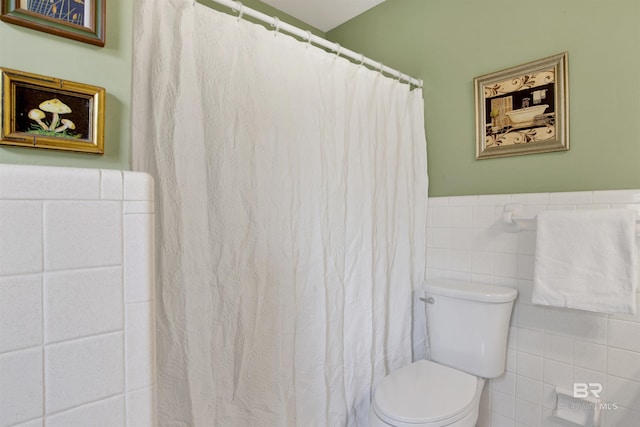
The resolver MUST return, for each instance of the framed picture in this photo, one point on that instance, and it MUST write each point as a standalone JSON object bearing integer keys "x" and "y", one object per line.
{"x": 45, "y": 112}
{"x": 524, "y": 109}
{"x": 82, "y": 20}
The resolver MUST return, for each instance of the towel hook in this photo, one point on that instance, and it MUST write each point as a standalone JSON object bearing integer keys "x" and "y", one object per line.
{"x": 276, "y": 24}
{"x": 240, "y": 9}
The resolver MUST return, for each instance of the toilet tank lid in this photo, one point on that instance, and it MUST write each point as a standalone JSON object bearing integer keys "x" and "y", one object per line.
{"x": 470, "y": 291}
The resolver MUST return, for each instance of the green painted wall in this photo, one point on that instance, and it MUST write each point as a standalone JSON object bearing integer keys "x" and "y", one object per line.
{"x": 449, "y": 42}
{"x": 110, "y": 67}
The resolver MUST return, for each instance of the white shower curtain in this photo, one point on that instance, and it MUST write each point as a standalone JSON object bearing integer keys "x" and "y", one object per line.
{"x": 291, "y": 191}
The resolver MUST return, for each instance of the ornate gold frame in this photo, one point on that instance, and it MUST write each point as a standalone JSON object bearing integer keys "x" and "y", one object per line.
{"x": 29, "y": 120}
{"x": 524, "y": 109}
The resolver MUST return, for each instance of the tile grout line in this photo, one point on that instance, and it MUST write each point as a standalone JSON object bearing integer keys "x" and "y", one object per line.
{"x": 125, "y": 329}
{"x": 42, "y": 314}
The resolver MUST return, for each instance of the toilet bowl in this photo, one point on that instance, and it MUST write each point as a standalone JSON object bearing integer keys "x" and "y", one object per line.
{"x": 467, "y": 329}
{"x": 426, "y": 394}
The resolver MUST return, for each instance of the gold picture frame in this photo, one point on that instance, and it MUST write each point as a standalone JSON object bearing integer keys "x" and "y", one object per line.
{"x": 524, "y": 109}
{"x": 46, "y": 112}
{"x": 82, "y": 20}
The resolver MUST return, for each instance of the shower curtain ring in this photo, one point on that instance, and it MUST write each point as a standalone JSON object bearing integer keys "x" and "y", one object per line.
{"x": 338, "y": 49}
{"x": 399, "y": 77}
{"x": 381, "y": 68}
{"x": 240, "y": 9}
{"x": 276, "y": 25}
{"x": 308, "y": 39}
{"x": 361, "y": 60}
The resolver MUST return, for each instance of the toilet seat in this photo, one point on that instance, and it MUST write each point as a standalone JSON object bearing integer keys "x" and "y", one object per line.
{"x": 425, "y": 393}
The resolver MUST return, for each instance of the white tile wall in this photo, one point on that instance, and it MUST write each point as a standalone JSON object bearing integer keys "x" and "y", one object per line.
{"x": 21, "y": 392}
{"x": 20, "y": 312}
{"x": 21, "y": 231}
{"x": 82, "y": 303}
{"x": 77, "y": 334}
{"x": 82, "y": 234}
{"x": 83, "y": 371}
{"x": 107, "y": 412}
{"x": 547, "y": 346}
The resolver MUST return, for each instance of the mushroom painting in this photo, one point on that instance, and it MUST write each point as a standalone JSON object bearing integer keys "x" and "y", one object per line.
{"x": 56, "y": 126}
{"x": 47, "y": 112}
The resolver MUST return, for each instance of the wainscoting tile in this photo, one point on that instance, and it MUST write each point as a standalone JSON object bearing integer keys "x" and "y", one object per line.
{"x": 462, "y": 216}
{"x": 530, "y": 341}
{"x": 529, "y": 366}
{"x": 616, "y": 196}
{"x": 558, "y": 374}
{"x": 621, "y": 417}
{"x": 80, "y": 303}
{"x": 528, "y": 413}
{"x": 21, "y": 386}
{"x": 623, "y": 392}
{"x": 463, "y": 201}
{"x": 137, "y": 186}
{"x": 494, "y": 199}
{"x": 439, "y": 258}
{"x": 83, "y": 371}
{"x": 484, "y": 216}
{"x": 529, "y": 390}
{"x": 558, "y": 347}
{"x": 137, "y": 207}
{"x": 440, "y": 216}
{"x": 82, "y": 234}
{"x": 140, "y": 407}
{"x": 20, "y": 312}
{"x": 140, "y": 345}
{"x": 547, "y": 346}
{"x": 108, "y": 412}
{"x": 503, "y": 404}
{"x": 440, "y": 238}
{"x": 571, "y": 198}
{"x": 39, "y": 422}
{"x": 531, "y": 198}
{"x": 438, "y": 201}
{"x": 139, "y": 272}
{"x": 111, "y": 185}
{"x": 590, "y": 356}
{"x": 506, "y": 383}
{"x": 20, "y": 237}
{"x": 624, "y": 335}
{"x": 623, "y": 364}
{"x": 48, "y": 183}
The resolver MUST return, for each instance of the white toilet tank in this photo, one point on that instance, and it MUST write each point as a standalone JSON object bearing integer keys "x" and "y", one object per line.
{"x": 468, "y": 324}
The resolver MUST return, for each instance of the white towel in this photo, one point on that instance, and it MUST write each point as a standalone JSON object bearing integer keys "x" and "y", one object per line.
{"x": 587, "y": 259}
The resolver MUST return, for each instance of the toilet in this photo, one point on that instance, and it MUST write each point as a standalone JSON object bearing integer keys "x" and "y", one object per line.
{"x": 467, "y": 326}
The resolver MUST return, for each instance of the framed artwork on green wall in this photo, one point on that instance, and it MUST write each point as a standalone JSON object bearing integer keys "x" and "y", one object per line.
{"x": 523, "y": 110}
{"x": 45, "y": 112}
{"x": 82, "y": 20}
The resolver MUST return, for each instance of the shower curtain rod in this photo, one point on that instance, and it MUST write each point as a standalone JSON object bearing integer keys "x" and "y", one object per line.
{"x": 311, "y": 38}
